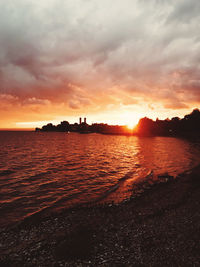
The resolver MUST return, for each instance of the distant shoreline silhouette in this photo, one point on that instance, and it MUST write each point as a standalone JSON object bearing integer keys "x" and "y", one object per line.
{"x": 187, "y": 126}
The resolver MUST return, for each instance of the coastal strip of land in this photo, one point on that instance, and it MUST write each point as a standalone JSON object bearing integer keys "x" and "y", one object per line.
{"x": 160, "y": 227}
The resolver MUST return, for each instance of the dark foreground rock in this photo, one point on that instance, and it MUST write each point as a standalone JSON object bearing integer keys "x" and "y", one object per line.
{"x": 159, "y": 228}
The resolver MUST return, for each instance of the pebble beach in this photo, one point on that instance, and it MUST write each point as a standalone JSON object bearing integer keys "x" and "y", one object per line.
{"x": 156, "y": 227}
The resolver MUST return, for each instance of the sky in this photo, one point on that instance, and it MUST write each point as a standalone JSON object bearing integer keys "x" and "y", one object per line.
{"x": 110, "y": 61}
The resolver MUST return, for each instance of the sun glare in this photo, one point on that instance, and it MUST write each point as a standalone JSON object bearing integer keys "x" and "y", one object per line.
{"x": 131, "y": 126}
{"x": 132, "y": 121}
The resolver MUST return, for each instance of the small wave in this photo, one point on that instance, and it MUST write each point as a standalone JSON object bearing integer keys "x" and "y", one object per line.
{"x": 137, "y": 165}
{"x": 108, "y": 192}
{"x": 115, "y": 187}
{"x": 113, "y": 172}
{"x": 14, "y": 202}
{"x": 127, "y": 176}
{"x": 71, "y": 168}
{"x": 70, "y": 164}
{"x": 44, "y": 185}
{"x": 9, "y": 201}
{"x": 61, "y": 200}
{"x": 6, "y": 172}
{"x": 119, "y": 186}
{"x": 21, "y": 167}
{"x": 102, "y": 173}
{"x": 36, "y": 176}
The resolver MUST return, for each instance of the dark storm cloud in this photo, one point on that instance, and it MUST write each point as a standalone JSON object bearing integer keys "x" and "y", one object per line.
{"x": 141, "y": 48}
{"x": 184, "y": 11}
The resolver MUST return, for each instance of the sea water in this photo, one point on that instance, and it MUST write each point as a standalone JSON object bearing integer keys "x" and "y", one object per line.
{"x": 55, "y": 171}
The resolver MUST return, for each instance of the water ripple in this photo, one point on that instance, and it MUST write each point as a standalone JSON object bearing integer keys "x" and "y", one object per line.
{"x": 42, "y": 171}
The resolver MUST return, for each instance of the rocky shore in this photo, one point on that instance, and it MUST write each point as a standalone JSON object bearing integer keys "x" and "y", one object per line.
{"x": 160, "y": 227}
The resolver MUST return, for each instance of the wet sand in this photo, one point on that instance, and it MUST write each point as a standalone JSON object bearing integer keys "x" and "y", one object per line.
{"x": 159, "y": 227}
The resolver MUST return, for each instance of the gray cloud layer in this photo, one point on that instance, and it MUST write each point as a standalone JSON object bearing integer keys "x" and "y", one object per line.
{"x": 76, "y": 51}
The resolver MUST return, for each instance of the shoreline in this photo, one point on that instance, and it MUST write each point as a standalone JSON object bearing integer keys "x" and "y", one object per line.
{"x": 160, "y": 227}
{"x": 139, "y": 186}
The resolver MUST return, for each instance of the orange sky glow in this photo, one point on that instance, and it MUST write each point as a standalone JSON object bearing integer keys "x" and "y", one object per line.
{"x": 61, "y": 60}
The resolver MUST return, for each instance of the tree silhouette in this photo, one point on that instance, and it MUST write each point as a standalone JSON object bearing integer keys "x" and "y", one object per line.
{"x": 189, "y": 125}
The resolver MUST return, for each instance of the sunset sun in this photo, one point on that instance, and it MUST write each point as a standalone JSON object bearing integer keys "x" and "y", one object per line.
{"x": 131, "y": 126}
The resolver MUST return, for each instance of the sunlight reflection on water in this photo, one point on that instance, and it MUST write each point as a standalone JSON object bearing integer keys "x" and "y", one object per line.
{"x": 58, "y": 170}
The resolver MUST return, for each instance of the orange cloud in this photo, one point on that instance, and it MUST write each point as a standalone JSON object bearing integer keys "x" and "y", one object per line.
{"x": 65, "y": 59}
